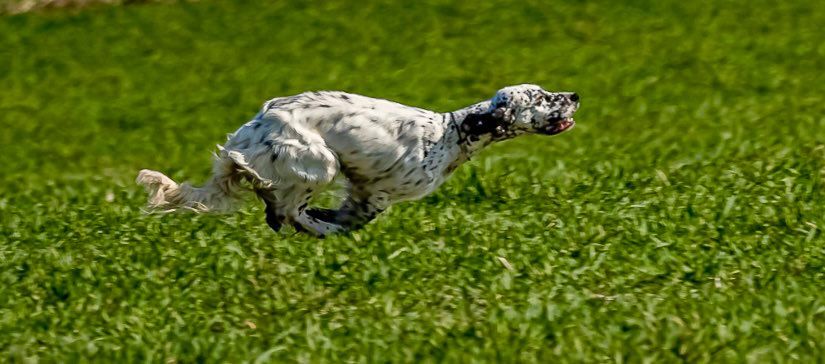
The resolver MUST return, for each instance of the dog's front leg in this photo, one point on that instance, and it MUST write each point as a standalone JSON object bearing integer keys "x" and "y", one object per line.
{"x": 356, "y": 212}
{"x": 306, "y": 222}
{"x": 327, "y": 215}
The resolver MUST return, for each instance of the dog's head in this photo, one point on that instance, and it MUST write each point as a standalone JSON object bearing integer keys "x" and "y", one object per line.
{"x": 525, "y": 109}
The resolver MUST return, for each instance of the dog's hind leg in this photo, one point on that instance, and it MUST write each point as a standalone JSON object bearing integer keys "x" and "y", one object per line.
{"x": 291, "y": 164}
{"x": 274, "y": 218}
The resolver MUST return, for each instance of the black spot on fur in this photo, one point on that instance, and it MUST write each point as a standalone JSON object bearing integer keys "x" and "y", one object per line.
{"x": 480, "y": 124}
{"x": 324, "y": 105}
{"x": 255, "y": 126}
{"x": 393, "y": 166}
{"x": 326, "y": 215}
{"x": 428, "y": 147}
{"x": 273, "y": 157}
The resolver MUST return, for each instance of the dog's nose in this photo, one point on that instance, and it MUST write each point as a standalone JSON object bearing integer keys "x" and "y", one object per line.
{"x": 574, "y": 97}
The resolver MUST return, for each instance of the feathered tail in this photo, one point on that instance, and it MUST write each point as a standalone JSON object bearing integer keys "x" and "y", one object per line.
{"x": 219, "y": 194}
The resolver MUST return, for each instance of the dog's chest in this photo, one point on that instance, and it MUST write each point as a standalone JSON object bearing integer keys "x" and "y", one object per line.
{"x": 409, "y": 165}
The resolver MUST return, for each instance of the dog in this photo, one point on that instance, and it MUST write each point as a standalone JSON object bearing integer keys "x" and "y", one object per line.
{"x": 388, "y": 152}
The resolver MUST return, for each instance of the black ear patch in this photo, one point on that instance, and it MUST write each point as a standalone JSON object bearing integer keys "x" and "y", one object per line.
{"x": 485, "y": 123}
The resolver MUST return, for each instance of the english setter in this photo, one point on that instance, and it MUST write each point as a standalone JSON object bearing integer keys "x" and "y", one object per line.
{"x": 389, "y": 152}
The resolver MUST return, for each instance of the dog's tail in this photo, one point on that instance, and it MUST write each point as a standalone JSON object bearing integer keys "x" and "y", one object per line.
{"x": 219, "y": 194}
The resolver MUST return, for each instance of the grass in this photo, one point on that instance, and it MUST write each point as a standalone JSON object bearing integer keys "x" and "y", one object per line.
{"x": 680, "y": 221}
{"x": 22, "y": 6}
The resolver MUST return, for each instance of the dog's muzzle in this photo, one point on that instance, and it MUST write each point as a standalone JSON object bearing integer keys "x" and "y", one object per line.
{"x": 558, "y": 125}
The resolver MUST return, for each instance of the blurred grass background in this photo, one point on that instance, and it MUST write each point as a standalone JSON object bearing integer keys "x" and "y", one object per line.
{"x": 679, "y": 221}
{"x": 23, "y": 6}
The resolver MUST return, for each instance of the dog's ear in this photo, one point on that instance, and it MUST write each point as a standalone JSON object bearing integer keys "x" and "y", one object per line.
{"x": 490, "y": 122}
{"x": 501, "y": 107}
{"x": 480, "y": 124}
{"x": 494, "y": 121}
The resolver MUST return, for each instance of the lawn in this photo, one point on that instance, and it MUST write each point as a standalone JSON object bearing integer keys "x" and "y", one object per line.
{"x": 681, "y": 220}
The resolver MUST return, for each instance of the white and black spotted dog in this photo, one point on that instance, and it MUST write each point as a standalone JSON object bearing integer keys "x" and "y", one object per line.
{"x": 389, "y": 152}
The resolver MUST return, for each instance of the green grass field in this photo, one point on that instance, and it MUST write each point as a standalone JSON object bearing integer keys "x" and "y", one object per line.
{"x": 681, "y": 220}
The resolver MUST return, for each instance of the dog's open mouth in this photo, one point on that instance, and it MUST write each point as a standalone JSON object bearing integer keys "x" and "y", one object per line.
{"x": 558, "y": 125}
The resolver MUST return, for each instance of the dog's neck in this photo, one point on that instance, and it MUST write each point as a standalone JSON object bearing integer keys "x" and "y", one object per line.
{"x": 471, "y": 129}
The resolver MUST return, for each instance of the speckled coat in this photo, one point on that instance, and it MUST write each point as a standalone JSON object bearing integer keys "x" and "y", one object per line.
{"x": 389, "y": 152}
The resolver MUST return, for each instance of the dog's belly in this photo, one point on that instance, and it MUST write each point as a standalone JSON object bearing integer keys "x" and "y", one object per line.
{"x": 420, "y": 185}
{"x": 400, "y": 181}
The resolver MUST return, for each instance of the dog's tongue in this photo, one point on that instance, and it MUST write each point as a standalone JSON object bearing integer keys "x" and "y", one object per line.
{"x": 561, "y": 126}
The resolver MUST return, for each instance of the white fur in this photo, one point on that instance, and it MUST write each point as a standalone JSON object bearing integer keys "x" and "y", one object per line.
{"x": 388, "y": 151}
